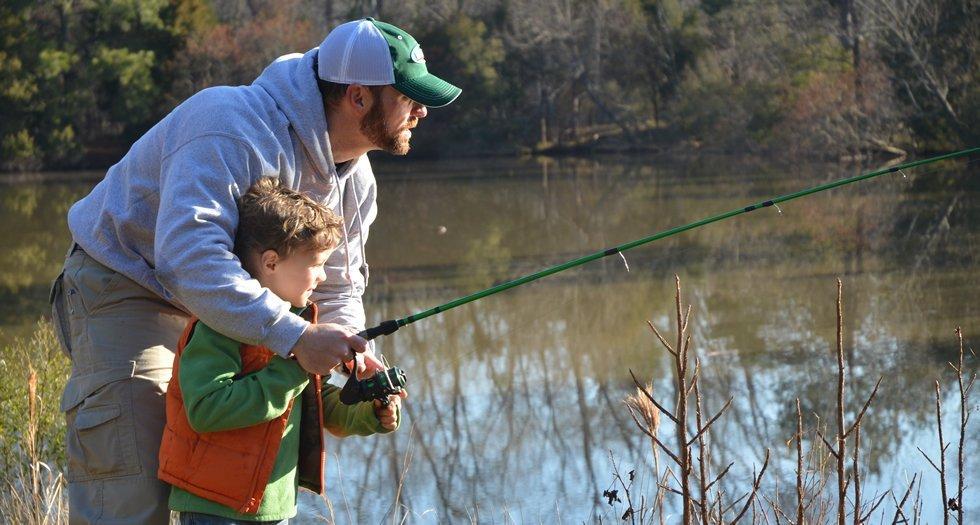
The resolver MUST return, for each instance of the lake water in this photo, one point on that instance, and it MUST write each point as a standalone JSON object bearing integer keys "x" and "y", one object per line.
{"x": 516, "y": 411}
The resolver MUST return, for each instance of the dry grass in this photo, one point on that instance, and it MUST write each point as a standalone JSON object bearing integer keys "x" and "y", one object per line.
{"x": 703, "y": 505}
{"x": 828, "y": 474}
{"x": 32, "y": 487}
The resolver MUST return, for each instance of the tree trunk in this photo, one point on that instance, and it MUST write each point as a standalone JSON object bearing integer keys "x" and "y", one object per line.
{"x": 595, "y": 69}
{"x": 543, "y": 110}
{"x": 851, "y": 30}
{"x": 575, "y": 116}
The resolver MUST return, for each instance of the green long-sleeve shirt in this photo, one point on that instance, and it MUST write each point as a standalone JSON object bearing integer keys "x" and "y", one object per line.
{"x": 216, "y": 399}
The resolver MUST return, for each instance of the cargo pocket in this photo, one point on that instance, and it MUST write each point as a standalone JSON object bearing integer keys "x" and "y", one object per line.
{"x": 101, "y": 440}
{"x": 59, "y": 316}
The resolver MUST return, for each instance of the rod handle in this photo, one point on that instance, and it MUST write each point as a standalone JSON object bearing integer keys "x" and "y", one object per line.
{"x": 385, "y": 328}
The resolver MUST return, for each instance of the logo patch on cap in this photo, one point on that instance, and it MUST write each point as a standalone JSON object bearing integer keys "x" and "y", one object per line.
{"x": 417, "y": 55}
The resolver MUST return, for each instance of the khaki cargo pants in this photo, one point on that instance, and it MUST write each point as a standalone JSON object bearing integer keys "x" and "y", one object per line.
{"x": 121, "y": 340}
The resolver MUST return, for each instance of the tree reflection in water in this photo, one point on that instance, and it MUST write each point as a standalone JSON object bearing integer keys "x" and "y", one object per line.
{"x": 516, "y": 400}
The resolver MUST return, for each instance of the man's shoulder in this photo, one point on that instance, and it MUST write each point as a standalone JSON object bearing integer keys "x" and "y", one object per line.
{"x": 245, "y": 111}
{"x": 244, "y": 114}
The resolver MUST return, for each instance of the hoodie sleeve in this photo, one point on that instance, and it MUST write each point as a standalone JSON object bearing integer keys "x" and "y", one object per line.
{"x": 339, "y": 298}
{"x": 352, "y": 420}
{"x": 195, "y": 232}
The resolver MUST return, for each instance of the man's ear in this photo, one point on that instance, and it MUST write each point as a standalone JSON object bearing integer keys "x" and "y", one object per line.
{"x": 269, "y": 262}
{"x": 360, "y": 97}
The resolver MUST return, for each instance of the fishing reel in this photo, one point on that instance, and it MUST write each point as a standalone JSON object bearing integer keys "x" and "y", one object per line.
{"x": 384, "y": 383}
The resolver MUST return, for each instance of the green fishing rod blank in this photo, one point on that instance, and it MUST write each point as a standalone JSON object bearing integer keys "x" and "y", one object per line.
{"x": 388, "y": 327}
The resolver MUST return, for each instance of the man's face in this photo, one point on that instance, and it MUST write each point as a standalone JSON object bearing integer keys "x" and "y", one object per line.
{"x": 389, "y": 122}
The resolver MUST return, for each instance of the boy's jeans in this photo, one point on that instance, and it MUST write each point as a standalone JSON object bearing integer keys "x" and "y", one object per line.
{"x": 193, "y": 518}
{"x": 121, "y": 340}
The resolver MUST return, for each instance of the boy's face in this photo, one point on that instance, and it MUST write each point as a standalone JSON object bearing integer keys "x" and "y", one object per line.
{"x": 293, "y": 278}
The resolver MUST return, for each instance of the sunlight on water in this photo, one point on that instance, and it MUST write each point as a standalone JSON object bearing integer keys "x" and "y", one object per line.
{"x": 516, "y": 400}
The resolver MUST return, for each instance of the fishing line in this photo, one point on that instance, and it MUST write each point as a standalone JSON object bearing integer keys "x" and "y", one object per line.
{"x": 390, "y": 326}
{"x": 625, "y": 263}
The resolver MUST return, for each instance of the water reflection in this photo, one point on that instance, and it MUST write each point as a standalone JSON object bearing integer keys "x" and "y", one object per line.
{"x": 35, "y": 239}
{"x": 516, "y": 400}
{"x": 518, "y": 396}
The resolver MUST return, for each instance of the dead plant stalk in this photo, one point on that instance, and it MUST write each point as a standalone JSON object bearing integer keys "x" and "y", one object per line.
{"x": 683, "y": 454}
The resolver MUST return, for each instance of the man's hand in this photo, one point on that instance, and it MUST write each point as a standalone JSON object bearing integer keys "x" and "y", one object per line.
{"x": 388, "y": 414}
{"x": 324, "y": 346}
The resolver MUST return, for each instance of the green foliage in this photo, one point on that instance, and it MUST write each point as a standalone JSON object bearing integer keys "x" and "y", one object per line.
{"x": 477, "y": 56}
{"x": 127, "y": 80}
{"x": 20, "y": 90}
{"x": 19, "y": 147}
{"x": 471, "y": 57}
{"x": 815, "y": 57}
{"x": 63, "y": 145}
{"x": 55, "y": 63}
{"x": 81, "y": 77}
{"x": 192, "y": 17}
{"x": 126, "y": 16}
{"x": 78, "y": 74}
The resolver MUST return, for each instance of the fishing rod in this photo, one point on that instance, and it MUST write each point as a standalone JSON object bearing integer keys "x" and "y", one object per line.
{"x": 389, "y": 327}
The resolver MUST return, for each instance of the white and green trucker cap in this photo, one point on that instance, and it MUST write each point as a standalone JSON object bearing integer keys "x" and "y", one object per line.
{"x": 373, "y": 53}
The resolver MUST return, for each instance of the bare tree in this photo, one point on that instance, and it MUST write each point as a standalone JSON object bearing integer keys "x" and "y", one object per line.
{"x": 932, "y": 38}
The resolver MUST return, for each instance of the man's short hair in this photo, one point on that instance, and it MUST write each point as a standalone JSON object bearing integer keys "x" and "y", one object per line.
{"x": 274, "y": 217}
{"x": 333, "y": 93}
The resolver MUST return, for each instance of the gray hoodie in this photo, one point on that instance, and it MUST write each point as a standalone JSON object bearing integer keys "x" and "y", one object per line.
{"x": 165, "y": 215}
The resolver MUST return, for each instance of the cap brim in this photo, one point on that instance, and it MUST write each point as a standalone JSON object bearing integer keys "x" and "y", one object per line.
{"x": 429, "y": 90}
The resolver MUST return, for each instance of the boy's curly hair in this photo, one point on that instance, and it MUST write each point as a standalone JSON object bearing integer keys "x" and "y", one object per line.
{"x": 274, "y": 217}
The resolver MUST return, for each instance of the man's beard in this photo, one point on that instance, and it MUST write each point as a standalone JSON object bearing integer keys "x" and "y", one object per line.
{"x": 375, "y": 129}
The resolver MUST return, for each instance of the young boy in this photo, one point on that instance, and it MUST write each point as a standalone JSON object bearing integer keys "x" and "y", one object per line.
{"x": 244, "y": 426}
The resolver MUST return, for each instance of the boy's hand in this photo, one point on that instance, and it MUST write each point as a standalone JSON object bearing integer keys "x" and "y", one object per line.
{"x": 388, "y": 414}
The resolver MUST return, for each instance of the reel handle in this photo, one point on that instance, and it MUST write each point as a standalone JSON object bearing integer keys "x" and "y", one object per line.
{"x": 385, "y": 328}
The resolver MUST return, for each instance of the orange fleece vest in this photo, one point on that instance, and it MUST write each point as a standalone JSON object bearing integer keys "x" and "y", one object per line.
{"x": 232, "y": 467}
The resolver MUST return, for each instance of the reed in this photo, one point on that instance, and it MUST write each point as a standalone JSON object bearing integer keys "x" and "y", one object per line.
{"x": 649, "y": 414}
{"x": 32, "y": 492}
{"x": 32, "y": 373}
{"x": 965, "y": 385}
{"x": 701, "y": 506}
{"x": 964, "y": 394}
{"x": 844, "y": 431}
{"x": 828, "y": 472}
{"x": 32, "y": 488}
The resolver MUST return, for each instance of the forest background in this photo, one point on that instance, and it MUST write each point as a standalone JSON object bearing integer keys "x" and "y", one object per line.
{"x": 80, "y": 80}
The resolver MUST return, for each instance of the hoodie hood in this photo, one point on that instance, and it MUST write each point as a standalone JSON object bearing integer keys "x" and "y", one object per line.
{"x": 291, "y": 82}
{"x": 165, "y": 214}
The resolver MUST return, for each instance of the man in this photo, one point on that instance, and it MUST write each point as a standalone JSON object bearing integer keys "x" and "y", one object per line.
{"x": 153, "y": 244}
